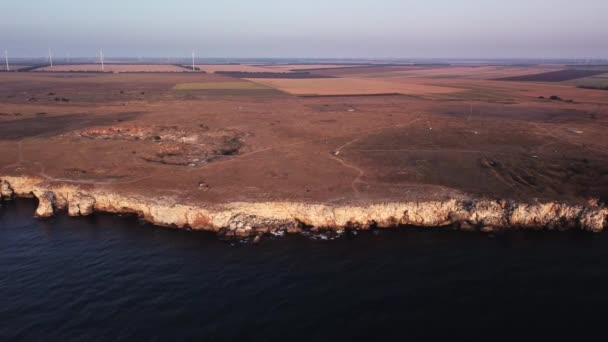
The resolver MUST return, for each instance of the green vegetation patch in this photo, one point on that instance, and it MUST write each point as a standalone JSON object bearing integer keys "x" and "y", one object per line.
{"x": 235, "y": 85}
{"x": 593, "y": 83}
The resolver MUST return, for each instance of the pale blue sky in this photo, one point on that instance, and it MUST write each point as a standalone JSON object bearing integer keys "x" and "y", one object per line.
{"x": 311, "y": 28}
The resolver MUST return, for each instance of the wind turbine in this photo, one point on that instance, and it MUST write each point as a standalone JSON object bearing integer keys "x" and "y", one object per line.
{"x": 192, "y": 60}
{"x": 51, "y": 58}
{"x": 8, "y": 68}
{"x": 101, "y": 60}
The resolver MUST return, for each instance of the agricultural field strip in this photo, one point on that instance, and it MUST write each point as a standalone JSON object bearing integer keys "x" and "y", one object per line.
{"x": 112, "y": 68}
{"x": 350, "y": 86}
{"x": 230, "y": 85}
{"x": 555, "y": 76}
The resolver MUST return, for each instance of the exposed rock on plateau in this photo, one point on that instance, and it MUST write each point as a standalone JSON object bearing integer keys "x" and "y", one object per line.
{"x": 172, "y": 145}
{"x": 251, "y": 219}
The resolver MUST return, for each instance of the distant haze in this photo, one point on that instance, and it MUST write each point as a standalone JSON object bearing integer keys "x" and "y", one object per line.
{"x": 307, "y": 28}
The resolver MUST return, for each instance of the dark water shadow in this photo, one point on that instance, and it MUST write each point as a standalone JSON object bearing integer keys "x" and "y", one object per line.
{"x": 107, "y": 277}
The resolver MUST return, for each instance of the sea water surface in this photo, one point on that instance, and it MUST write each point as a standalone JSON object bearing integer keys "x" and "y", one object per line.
{"x": 112, "y": 278}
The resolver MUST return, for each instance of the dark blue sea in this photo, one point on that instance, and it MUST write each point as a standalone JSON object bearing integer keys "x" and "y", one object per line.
{"x": 112, "y": 278}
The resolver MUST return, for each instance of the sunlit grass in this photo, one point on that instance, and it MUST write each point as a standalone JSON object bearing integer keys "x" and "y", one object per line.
{"x": 236, "y": 85}
{"x": 594, "y": 83}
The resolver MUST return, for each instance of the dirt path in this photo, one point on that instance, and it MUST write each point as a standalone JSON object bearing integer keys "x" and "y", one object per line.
{"x": 358, "y": 179}
{"x": 278, "y": 147}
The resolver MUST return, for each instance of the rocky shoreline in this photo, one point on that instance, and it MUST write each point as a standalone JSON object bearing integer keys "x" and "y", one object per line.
{"x": 242, "y": 219}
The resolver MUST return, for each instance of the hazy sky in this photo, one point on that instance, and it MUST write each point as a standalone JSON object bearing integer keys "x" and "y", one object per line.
{"x": 307, "y": 28}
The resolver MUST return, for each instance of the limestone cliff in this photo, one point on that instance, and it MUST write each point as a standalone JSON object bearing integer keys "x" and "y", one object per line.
{"x": 249, "y": 219}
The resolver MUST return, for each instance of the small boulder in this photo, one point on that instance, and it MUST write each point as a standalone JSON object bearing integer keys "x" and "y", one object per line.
{"x": 244, "y": 231}
{"x": 466, "y": 226}
{"x": 487, "y": 229}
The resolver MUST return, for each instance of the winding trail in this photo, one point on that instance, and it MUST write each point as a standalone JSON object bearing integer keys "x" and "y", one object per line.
{"x": 278, "y": 147}
{"x": 358, "y": 179}
{"x": 106, "y": 182}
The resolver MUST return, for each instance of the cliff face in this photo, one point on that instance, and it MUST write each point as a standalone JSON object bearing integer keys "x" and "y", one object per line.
{"x": 249, "y": 219}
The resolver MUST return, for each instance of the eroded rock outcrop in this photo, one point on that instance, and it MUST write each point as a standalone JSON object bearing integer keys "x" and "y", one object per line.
{"x": 248, "y": 225}
{"x": 251, "y": 219}
{"x": 179, "y": 146}
{"x": 46, "y": 204}
{"x": 6, "y": 191}
{"x": 81, "y": 205}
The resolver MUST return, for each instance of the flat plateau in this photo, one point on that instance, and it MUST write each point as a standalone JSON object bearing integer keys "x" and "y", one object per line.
{"x": 245, "y": 157}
